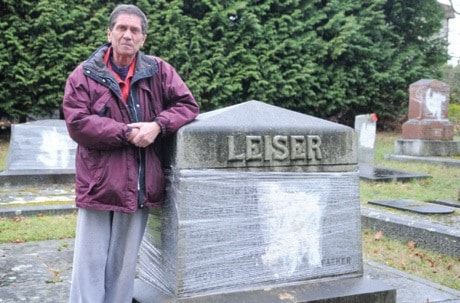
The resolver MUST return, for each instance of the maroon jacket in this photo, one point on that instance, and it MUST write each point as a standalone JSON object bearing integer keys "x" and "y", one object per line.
{"x": 108, "y": 167}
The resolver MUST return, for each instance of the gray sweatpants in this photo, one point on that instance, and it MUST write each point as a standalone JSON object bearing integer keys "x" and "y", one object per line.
{"x": 106, "y": 248}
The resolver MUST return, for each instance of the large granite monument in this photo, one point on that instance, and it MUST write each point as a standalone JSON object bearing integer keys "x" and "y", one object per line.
{"x": 262, "y": 206}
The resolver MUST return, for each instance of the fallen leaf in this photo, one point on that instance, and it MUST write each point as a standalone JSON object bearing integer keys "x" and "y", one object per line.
{"x": 411, "y": 245}
{"x": 54, "y": 281}
{"x": 422, "y": 182}
{"x": 378, "y": 235}
{"x": 431, "y": 262}
{"x": 403, "y": 265}
{"x": 420, "y": 255}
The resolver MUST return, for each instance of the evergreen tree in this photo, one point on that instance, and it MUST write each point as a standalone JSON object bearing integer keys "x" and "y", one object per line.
{"x": 333, "y": 59}
{"x": 329, "y": 58}
{"x": 43, "y": 42}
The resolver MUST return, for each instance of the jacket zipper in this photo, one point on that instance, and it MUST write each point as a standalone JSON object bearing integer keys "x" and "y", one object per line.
{"x": 141, "y": 160}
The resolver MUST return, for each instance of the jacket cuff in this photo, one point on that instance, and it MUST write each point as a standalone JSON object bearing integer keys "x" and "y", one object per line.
{"x": 161, "y": 124}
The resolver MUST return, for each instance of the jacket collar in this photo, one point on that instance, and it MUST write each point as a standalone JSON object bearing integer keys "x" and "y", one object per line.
{"x": 146, "y": 66}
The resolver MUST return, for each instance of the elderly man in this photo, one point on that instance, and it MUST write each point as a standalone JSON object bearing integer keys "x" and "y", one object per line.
{"x": 116, "y": 105}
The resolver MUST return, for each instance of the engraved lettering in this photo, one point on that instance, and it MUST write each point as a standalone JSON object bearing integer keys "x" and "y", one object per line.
{"x": 213, "y": 275}
{"x": 275, "y": 148}
{"x": 231, "y": 150}
{"x": 268, "y": 153}
{"x": 298, "y": 148}
{"x": 280, "y": 146}
{"x": 339, "y": 261}
{"x": 314, "y": 142}
{"x": 253, "y": 148}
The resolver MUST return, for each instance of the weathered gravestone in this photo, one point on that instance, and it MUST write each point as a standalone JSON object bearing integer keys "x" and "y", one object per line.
{"x": 263, "y": 206}
{"x": 428, "y": 132}
{"x": 40, "y": 149}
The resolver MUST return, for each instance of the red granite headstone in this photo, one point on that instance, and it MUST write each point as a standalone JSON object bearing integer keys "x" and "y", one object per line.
{"x": 428, "y": 112}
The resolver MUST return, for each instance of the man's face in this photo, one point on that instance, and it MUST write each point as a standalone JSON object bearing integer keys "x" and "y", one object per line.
{"x": 126, "y": 36}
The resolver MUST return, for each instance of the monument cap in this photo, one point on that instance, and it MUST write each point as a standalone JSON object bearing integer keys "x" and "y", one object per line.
{"x": 258, "y": 136}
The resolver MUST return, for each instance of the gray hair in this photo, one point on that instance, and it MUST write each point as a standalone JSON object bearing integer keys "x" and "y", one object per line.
{"x": 128, "y": 9}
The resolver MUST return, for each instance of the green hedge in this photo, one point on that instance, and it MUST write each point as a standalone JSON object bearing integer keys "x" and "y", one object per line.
{"x": 332, "y": 59}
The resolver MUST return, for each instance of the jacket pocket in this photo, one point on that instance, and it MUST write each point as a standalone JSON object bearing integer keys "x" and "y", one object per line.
{"x": 108, "y": 184}
{"x": 102, "y": 105}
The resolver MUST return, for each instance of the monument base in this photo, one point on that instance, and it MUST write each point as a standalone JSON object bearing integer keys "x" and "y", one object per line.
{"x": 428, "y": 129}
{"x": 427, "y": 148}
{"x": 350, "y": 290}
{"x": 37, "y": 176}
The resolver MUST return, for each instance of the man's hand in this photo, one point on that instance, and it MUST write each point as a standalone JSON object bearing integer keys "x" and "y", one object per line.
{"x": 143, "y": 133}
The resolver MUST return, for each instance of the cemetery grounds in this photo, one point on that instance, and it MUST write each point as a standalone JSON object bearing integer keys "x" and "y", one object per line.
{"x": 431, "y": 265}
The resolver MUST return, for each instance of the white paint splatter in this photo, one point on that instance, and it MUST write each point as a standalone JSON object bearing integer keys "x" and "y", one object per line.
{"x": 367, "y": 134}
{"x": 293, "y": 229}
{"x": 22, "y": 267}
{"x": 54, "y": 149}
{"x": 433, "y": 103}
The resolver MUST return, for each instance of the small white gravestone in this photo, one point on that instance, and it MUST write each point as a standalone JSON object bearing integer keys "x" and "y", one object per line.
{"x": 366, "y": 127}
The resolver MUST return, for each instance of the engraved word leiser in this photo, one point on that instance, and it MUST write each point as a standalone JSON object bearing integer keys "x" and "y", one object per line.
{"x": 275, "y": 148}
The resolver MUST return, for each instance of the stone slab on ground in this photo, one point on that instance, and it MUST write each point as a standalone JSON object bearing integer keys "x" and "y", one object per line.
{"x": 443, "y": 161}
{"x": 27, "y": 195}
{"x": 414, "y": 206}
{"x": 376, "y": 173}
{"x": 28, "y": 211}
{"x": 37, "y": 177}
{"x": 427, "y": 148}
{"x": 447, "y": 202}
{"x": 438, "y": 233}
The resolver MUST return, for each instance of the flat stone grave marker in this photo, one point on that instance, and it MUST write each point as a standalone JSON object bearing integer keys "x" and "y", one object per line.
{"x": 376, "y": 173}
{"x": 414, "y": 206}
{"x": 446, "y": 202}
